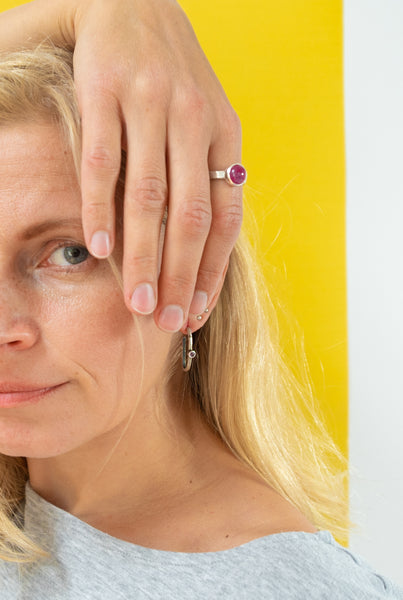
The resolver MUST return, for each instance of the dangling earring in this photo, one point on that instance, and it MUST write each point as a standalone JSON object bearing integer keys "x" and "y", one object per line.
{"x": 188, "y": 354}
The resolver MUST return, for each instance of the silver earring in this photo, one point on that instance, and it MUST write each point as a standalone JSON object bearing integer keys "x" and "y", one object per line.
{"x": 188, "y": 354}
{"x": 199, "y": 317}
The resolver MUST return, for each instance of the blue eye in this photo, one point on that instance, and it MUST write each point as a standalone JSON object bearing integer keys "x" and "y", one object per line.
{"x": 73, "y": 255}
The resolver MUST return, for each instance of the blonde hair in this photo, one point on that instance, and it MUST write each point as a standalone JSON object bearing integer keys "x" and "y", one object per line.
{"x": 241, "y": 383}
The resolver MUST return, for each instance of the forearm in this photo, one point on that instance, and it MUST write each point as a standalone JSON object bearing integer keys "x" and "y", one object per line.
{"x": 31, "y": 23}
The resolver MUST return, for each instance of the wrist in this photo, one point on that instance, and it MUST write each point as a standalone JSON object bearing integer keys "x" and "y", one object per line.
{"x": 29, "y": 24}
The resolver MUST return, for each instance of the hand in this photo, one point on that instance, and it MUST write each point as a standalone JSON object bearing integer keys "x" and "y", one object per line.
{"x": 143, "y": 81}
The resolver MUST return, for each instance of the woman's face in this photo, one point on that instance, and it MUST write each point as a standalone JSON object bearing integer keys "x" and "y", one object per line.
{"x": 70, "y": 359}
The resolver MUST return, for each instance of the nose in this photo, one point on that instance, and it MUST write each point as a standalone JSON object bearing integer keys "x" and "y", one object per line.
{"x": 18, "y": 335}
{"x": 18, "y": 330}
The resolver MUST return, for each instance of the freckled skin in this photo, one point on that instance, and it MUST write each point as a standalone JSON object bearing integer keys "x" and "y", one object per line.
{"x": 78, "y": 327}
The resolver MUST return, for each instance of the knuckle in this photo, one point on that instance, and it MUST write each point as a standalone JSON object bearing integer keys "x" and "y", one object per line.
{"x": 195, "y": 216}
{"x": 105, "y": 81}
{"x": 179, "y": 285}
{"x": 209, "y": 275}
{"x": 143, "y": 264}
{"x": 149, "y": 194}
{"x": 97, "y": 216}
{"x": 193, "y": 104}
{"x": 230, "y": 124}
{"x": 101, "y": 158}
{"x": 95, "y": 209}
{"x": 151, "y": 86}
{"x": 228, "y": 222}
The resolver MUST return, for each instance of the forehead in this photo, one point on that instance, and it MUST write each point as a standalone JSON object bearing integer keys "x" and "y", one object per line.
{"x": 37, "y": 175}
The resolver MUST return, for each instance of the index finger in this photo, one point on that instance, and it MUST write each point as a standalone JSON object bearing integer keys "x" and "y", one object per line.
{"x": 100, "y": 167}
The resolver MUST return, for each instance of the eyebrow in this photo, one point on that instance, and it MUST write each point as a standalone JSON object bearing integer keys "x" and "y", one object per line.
{"x": 44, "y": 226}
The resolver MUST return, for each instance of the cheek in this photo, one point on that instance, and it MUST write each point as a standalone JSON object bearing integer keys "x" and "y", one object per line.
{"x": 95, "y": 341}
{"x": 88, "y": 326}
{"x": 89, "y": 338}
{"x": 85, "y": 339}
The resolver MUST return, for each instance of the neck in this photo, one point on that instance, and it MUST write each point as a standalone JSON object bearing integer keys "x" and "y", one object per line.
{"x": 132, "y": 468}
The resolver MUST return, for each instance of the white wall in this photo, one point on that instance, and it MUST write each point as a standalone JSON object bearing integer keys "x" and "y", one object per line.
{"x": 373, "y": 48}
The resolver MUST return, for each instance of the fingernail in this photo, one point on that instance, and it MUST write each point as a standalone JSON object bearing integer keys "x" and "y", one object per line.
{"x": 171, "y": 318}
{"x": 199, "y": 302}
{"x": 100, "y": 244}
{"x": 143, "y": 299}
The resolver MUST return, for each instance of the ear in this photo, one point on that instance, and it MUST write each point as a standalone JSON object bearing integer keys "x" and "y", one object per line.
{"x": 194, "y": 322}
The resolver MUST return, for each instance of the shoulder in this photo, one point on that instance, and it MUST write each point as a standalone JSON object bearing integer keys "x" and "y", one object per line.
{"x": 296, "y": 565}
{"x": 251, "y": 509}
{"x": 273, "y": 548}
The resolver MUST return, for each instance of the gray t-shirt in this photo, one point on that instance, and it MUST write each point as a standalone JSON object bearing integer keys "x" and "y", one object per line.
{"x": 88, "y": 564}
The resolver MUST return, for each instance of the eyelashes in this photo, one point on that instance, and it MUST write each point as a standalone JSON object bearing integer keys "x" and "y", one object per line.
{"x": 63, "y": 256}
{"x": 55, "y": 258}
{"x": 68, "y": 255}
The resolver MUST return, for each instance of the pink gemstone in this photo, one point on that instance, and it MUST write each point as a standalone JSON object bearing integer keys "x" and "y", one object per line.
{"x": 237, "y": 174}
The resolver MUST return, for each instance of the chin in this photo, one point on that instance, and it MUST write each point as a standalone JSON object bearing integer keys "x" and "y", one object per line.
{"x": 30, "y": 446}
{"x": 27, "y": 451}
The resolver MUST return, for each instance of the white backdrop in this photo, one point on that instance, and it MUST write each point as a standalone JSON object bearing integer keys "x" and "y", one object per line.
{"x": 373, "y": 64}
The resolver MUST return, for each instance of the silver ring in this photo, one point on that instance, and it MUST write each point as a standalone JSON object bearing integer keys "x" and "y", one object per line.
{"x": 235, "y": 174}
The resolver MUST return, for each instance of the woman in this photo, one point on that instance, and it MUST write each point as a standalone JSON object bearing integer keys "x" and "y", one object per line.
{"x": 124, "y": 475}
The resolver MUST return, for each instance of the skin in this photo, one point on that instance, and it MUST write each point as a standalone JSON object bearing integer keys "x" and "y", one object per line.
{"x": 170, "y": 483}
{"x": 151, "y": 89}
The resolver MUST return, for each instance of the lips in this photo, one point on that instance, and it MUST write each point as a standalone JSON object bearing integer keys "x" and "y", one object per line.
{"x": 16, "y": 393}
{"x": 11, "y": 387}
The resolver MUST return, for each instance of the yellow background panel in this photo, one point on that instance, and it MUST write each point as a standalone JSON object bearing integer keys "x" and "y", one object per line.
{"x": 6, "y": 4}
{"x": 281, "y": 65}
